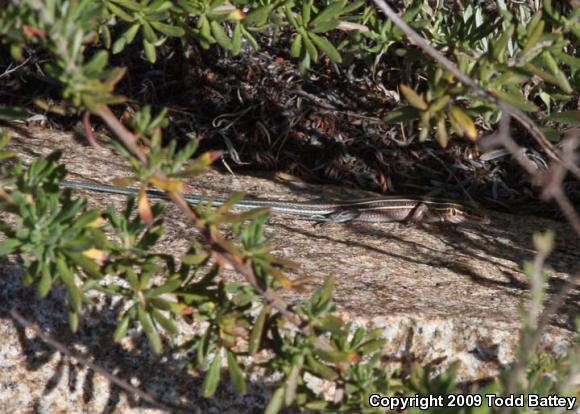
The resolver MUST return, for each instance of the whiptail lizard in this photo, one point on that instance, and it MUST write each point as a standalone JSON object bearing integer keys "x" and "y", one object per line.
{"x": 383, "y": 209}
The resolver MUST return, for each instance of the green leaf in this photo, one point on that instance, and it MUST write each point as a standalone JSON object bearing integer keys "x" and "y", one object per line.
{"x": 320, "y": 369}
{"x": 149, "y": 329}
{"x": 406, "y": 113}
{"x": 149, "y": 51}
{"x": 121, "y": 329}
{"x": 442, "y": 134}
{"x": 371, "y": 346}
{"x": 511, "y": 76}
{"x": 304, "y": 63}
{"x": 86, "y": 218}
{"x": 119, "y": 12}
{"x": 45, "y": 283}
{"x": 165, "y": 322}
{"x": 125, "y": 38}
{"x": 220, "y": 35}
{"x": 312, "y": 52}
{"x": 535, "y": 35}
{"x": 323, "y": 295}
{"x": 464, "y": 122}
{"x": 292, "y": 383}
{"x": 325, "y": 26}
{"x": 204, "y": 28}
{"x": 106, "y": 36}
{"x": 276, "y": 401}
{"x": 296, "y": 45}
{"x": 565, "y": 117}
{"x": 500, "y": 46}
{"x": 88, "y": 265}
{"x": 250, "y": 38}
{"x": 237, "y": 39}
{"x": 97, "y": 63}
{"x": 9, "y": 246}
{"x": 167, "y": 287}
{"x": 353, "y": 6}
{"x": 413, "y": 98}
{"x": 552, "y": 134}
{"x": 259, "y": 16}
{"x": 290, "y": 15}
{"x": 236, "y": 374}
{"x": 12, "y": 113}
{"x": 258, "y": 330}
{"x": 331, "y": 12}
{"x": 167, "y": 29}
{"x": 561, "y": 79}
{"x": 64, "y": 272}
{"x": 212, "y": 377}
{"x": 75, "y": 298}
{"x": 149, "y": 33}
{"x": 439, "y": 104}
{"x": 306, "y": 11}
{"x": 73, "y": 321}
{"x": 326, "y": 47}
{"x": 5, "y": 138}
{"x": 569, "y": 60}
{"x": 517, "y": 100}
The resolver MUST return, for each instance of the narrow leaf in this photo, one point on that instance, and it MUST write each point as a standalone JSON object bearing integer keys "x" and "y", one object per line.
{"x": 97, "y": 63}
{"x": 258, "y": 330}
{"x": 276, "y": 401}
{"x": 167, "y": 29}
{"x": 326, "y": 47}
{"x": 331, "y": 12}
{"x": 413, "y": 98}
{"x": 149, "y": 329}
{"x": 45, "y": 283}
{"x": 165, "y": 322}
{"x": 464, "y": 122}
{"x": 500, "y": 46}
{"x": 237, "y": 39}
{"x": 220, "y": 35}
{"x": 149, "y": 51}
{"x": 121, "y": 329}
{"x": 517, "y": 100}
{"x": 534, "y": 36}
{"x": 296, "y": 46}
{"x": 312, "y": 52}
{"x": 212, "y": 377}
{"x": 259, "y": 16}
{"x": 442, "y": 135}
{"x": 9, "y": 246}
{"x": 236, "y": 374}
{"x": 571, "y": 118}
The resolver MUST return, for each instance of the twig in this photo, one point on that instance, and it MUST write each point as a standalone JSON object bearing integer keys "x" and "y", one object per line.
{"x": 14, "y": 69}
{"x": 88, "y": 363}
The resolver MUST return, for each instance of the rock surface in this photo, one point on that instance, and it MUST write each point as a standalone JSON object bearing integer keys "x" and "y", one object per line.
{"x": 440, "y": 294}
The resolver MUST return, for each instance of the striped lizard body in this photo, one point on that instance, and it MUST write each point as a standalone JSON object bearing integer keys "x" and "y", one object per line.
{"x": 376, "y": 210}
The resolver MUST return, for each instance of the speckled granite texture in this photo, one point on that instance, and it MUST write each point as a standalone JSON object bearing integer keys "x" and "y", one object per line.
{"x": 440, "y": 294}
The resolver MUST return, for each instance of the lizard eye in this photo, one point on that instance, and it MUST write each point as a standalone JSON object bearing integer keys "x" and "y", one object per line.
{"x": 455, "y": 215}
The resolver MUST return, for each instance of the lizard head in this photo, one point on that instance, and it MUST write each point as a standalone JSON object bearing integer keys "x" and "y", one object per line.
{"x": 460, "y": 214}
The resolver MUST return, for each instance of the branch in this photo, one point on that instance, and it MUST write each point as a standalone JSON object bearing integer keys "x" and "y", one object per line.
{"x": 88, "y": 363}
